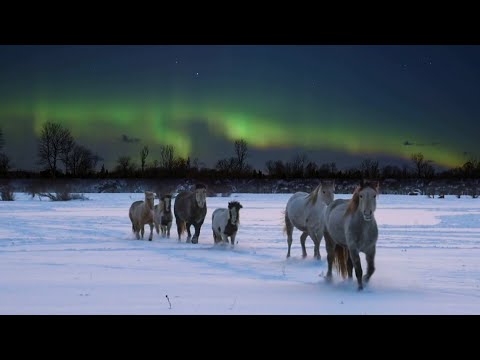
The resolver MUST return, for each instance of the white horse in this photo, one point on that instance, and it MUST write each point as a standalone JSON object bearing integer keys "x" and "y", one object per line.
{"x": 306, "y": 213}
{"x": 141, "y": 213}
{"x": 225, "y": 222}
{"x": 351, "y": 228}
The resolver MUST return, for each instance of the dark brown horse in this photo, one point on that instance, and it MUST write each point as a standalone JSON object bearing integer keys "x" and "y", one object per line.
{"x": 163, "y": 215}
{"x": 190, "y": 209}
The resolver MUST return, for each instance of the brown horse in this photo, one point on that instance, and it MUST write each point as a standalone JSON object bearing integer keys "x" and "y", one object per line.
{"x": 141, "y": 213}
{"x": 190, "y": 209}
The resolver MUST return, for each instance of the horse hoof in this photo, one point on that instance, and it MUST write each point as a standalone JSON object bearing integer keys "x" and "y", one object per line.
{"x": 304, "y": 256}
{"x": 360, "y": 288}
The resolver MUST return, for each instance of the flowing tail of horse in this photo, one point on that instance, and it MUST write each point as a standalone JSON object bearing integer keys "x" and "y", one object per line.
{"x": 183, "y": 227}
{"x": 340, "y": 260}
{"x": 284, "y": 218}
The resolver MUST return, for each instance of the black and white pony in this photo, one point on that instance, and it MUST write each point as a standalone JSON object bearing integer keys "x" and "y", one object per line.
{"x": 225, "y": 223}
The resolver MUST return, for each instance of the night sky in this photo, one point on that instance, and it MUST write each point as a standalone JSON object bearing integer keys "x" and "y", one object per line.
{"x": 334, "y": 103}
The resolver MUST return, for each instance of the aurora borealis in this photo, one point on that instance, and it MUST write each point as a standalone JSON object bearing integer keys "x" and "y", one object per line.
{"x": 337, "y": 103}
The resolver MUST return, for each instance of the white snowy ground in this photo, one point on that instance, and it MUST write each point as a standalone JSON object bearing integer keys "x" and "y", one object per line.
{"x": 80, "y": 257}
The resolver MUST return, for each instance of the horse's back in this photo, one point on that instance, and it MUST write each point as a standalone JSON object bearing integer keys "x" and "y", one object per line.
{"x": 134, "y": 206}
{"x": 219, "y": 217}
{"x": 335, "y": 220}
{"x": 181, "y": 206}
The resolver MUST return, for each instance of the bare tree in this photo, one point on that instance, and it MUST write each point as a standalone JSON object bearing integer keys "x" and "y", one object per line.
{"x": 419, "y": 162}
{"x": 5, "y": 164}
{"x": 82, "y": 161}
{"x": 241, "y": 153}
{"x": 369, "y": 168}
{"x": 53, "y": 143}
{"x": 167, "y": 156}
{"x": 275, "y": 168}
{"x": 143, "y": 156}
{"x": 226, "y": 165}
{"x": 66, "y": 152}
{"x": 297, "y": 166}
{"x": 125, "y": 165}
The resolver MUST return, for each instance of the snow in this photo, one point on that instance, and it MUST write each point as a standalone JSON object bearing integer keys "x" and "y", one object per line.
{"x": 80, "y": 257}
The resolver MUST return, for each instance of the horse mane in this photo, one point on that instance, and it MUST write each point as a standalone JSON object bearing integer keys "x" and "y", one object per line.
{"x": 200, "y": 186}
{"x": 313, "y": 196}
{"x": 355, "y": 200}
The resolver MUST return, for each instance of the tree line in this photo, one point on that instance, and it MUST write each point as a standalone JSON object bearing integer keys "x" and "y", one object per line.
{"x": 60, "y": 155}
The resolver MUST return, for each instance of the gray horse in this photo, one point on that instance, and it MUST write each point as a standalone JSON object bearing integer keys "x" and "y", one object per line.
{"x": 305, "y": 211}
{"x": 163, "y": 215}
{"x": 190, "y": 209}
{"x": 351, "y": 228}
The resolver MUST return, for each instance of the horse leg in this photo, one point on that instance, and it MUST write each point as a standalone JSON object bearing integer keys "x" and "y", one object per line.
{"x": 370, "y": 256}
{"x": 157, "y": 227}
{"x": 169, "y": 225}
{"x": 318, "y": 241}
{"x": 355, "y": 256}
{"x": 349, "y": 267}
{"x": 142, "y": 228}
{"x": 179, "y": 228}
{"x": 151, "y": 232}
{"x": 197, "y": 227}
{"x": 303, "y": 237}
{"x": 330, "y": 246}
{"x": 289, "y": 230}
{"x": 232, "y": 238}
{"x": 189, "y": 237}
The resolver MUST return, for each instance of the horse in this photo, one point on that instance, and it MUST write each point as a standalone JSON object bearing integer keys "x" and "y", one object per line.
{"x": 225, "y": 222}
{"x": 163, "y": 215}
{"x": 351, "y": 228}
{"x": 305, "y": 211}
{"x": 141, "y": 213}
{"x": 190, "y": 209}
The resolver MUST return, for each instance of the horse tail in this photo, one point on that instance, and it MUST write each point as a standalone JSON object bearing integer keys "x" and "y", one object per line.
{"x": 183, "y": 227}
{"x": 284, "y": 218}
{"x": 340, "y": 260}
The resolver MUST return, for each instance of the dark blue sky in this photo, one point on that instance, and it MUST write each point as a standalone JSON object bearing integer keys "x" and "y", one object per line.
{"x": 335, "y": 103}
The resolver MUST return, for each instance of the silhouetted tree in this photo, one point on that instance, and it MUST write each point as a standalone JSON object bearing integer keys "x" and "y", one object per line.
{"x": 419, "y": 163}
{"x": 125, "y": 165}
{"x": 5, "y": 164}
{"x": 53, "y": 143}
{"x": 167, "y": 156}
{"x": 241, "y": 153}
{"x": 143, "y": 157}
{"x": 369, "y": 168}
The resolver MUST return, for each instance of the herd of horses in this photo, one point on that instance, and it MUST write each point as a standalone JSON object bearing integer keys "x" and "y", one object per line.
{"x": 348, "y": 225}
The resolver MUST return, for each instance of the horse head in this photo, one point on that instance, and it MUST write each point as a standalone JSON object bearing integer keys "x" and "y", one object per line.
{"x": 234, "y": 210}
{"x": 167, "y": 203}
{"x": 367, "y": 199}
{"x": 327, "y": 191}
{"x": 200, "y": 195}
{"x": 149, "y": 199}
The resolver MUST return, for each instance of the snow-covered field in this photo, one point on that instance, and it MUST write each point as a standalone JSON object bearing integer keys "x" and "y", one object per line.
{"x": 80, "y": 257}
